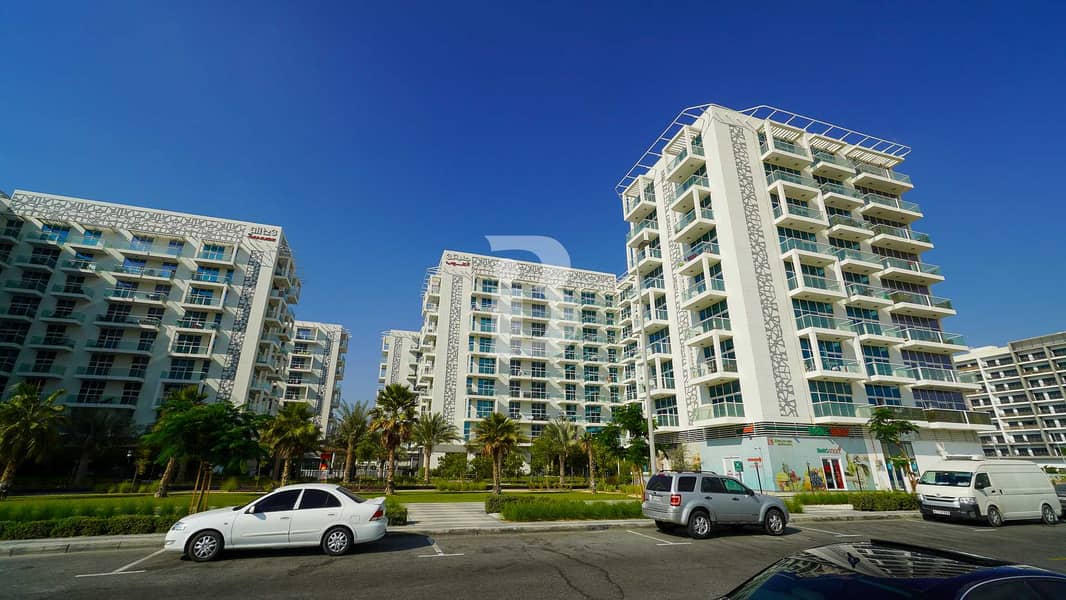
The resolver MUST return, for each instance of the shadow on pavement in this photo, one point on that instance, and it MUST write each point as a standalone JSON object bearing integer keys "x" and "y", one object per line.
{"x": 393, "y": 542}
{"x": 726, "y": 531}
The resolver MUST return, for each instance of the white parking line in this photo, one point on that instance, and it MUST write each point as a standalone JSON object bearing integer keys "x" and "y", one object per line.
{"x": 123, "y": 569}
{"x": 835, "y": 533}
{"x": 661, "y": 542}
{"x": 439, "y": 552}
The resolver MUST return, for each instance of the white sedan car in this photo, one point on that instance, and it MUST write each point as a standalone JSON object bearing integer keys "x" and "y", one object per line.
{"x": 294, "y": 515}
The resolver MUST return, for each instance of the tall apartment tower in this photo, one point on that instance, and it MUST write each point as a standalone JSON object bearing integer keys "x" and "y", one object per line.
{"x": 777, "y": 292}
{"x": 119, "y": 305}
{"x": 529, "y": 340}
{"x": 399, "y": 357}
{"x": 316, "y": 368}
{"x": 1023, "y": 388}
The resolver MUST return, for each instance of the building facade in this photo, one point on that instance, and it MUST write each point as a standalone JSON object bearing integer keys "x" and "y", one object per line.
{"x": 532, "y": 341}
{"x": 119, "y": 305}
{"x": 1022, "y": 389}
{"x": 399, "y": 357}
{"x": 316, "y": 361}
{"x": 776, "y": 292}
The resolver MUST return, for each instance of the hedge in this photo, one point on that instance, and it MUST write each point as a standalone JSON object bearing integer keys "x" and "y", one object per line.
{"x": 548, "y": 509}
{"x": 395, "y": 511}
{"x": 870, "y": 501}
{"x": 444, "y": 485}
{"x": 80, "y": 526}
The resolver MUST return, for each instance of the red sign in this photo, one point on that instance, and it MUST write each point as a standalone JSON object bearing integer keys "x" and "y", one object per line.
{"x": 457, "y": 263}
{"x": 839, "y": 431}
{"x": 748, "y": 429}
{"x": 754, "y": 459}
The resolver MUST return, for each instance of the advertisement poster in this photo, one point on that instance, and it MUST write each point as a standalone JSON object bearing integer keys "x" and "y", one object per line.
{"x": 818, "y": 464}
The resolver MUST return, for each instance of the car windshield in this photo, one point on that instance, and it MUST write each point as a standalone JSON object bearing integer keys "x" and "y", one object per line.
{"x": 1060, "y": 489}
{"x": 947, "y": 478}
{"x": 359, "y": 499}
{"x": 660, "y": 483}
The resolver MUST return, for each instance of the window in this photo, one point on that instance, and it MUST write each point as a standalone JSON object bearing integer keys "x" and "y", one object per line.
{"x": 883, "y": 395}
{"x": 141, "y": 242}
{"x": 712, "y": 485}
{"x": 686, "y": 484}
{"x": 278, "y": 502}
{"x": 175, "y": 247}
{"x": 213, "y": 252}
{"x": 131, "y": 392}
{"x": 318, "y": 499}
{"x": 726, "y": 400}
{"x": 831, "y": 399}
{"x": 91, "y": 392}
{"x": 732, "y": 486}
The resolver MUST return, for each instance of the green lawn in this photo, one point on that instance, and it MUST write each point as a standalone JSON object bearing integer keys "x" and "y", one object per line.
{"x": 425, "y": 496}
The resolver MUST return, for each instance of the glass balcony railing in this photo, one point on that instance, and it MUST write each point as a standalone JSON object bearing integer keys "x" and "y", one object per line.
{"x": 70, "y": 288}
{"x": 823, "y": 322}
{"x": 703, "y": 248}
{"x": 52, "y": 340}
{"x": 702, "y": 287}
{"x": 38, "y": 260}
{"x": 910, "y": 265}
{"x": 646, "y": 253}
{"x": 225, "y": 256}
{"x": 649, "y": 224}
{"x": 789, "y": 147}
{"x": 708, "y": 325}
{"x": 690, "y": 216}
{"x": 860, "y": 255}
{"x": 26, "y": 286}
{"x": 203, "y": 300}
{"x": 875, "y": 328}
{"x": 835, "y": 409}
{"x": 922, "y": 299}
{"x": 944, "y": 375}
{"x": 64, "y": 314}
{"x": 796, "y": 210}
{"x": 184, "y": 375}
{"x": 654, "y": 283}
{"x": 704, "y": 368}
{"x": 848, "y": 221}
{"x": 806, "y": 245}
{"x": 660, "y": 347}
{"x": 864, "y": 290}
{"x": 833, "y": 159}
{"x": 40, "y": 369}
{"x": 833, "y": 363}
{"x": 812, "y": 281}
{"x": 108, "y": 344}
{"x": 697, "y": 150}
{"x": 688, "y": 184}
{"x": 720, "y": 410}
{"x": 885, "y": 369}
{"x": 659, "y": 314}
{"x": 633, "y": 201}
{"x": 900, "y": 232}
{"x": 143, "y": 271}
{"x": 840, "y": 190}
{"x": 79, "y": 264}
{"x": 889, "y": 201}
{"x": 918, "y": 334}
{"x": 775, "y": 176}
{"x": 882, "y": 172}
{"x": 212, "y": 277}
{"x": 110, "y": 371}
{"x": 135, "y": 295}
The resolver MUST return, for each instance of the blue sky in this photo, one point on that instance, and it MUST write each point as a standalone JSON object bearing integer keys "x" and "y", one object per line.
{"x": 378, "y": 135}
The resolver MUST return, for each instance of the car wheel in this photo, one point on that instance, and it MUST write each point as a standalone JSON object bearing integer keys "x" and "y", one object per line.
{"x": 995, "y": 519}
{"x": 204, "y": 546}
{"x": 699, "y": 525}
{"x": 1047, "y": 515}
{"x": 664, "y": 525}
{"x": 337, "y": 541}
{"x": 774, "y": 523}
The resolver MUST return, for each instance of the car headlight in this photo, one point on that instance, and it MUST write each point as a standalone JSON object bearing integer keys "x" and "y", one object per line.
{"x": 967, "y": 500}
{"x": 179, "y": 526}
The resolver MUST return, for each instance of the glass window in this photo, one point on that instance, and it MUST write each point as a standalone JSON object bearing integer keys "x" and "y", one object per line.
{"x": 660, "y": 483}
{"x": 732, "y": 486}
{"x": 354, "y": 497}
{"x": 278, "y": 502}
{"x": 686, "y": 484}
{"x": 712, "y": 485}
{"x": 318, "y": 499}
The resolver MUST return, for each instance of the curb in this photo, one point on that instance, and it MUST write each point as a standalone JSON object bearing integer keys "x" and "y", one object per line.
{"x": 873, "y": 516}
{"x": 81, "y": 544}
{"x": 517, "y": 528}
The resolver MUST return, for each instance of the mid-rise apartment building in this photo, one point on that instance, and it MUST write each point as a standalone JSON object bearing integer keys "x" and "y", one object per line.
{"x": 777, "y": 291}
{"x": 399, "y": 357}
{"x": 118, "y": 305}
{"x": 1023, "y": 388}
{"x": 316, "y": 368}
{"x": 532, "y": 341}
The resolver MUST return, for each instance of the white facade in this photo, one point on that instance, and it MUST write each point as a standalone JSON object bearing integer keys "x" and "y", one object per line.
{"x": 782, "y": 294}
{"x": 532, "y": 341}
{"x": 316, "y": 368}
{"x": 118, "y": 305}
{"x": 1023, "y": 386}
{"x": 399, "y": 358}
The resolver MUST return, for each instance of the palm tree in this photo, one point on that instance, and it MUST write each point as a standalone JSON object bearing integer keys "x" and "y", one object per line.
{"x": 352, "y": 424}
{"x": 497, "y": 436}
{"x": 291, "y": 433}
{"x": 394, "y": 417}
{"x": 562, "y": 437}
{"x": 432, "y": 430}
{"x": 29, "y": 428}
{"x": 888, "y": 430}
{"x": 94, "y": 430}
{"x": 166, "y": 435}
{"x": 588, "y": 444}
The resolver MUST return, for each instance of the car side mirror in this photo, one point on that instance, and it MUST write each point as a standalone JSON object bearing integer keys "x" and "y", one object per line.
{"x": 751, "y": 492}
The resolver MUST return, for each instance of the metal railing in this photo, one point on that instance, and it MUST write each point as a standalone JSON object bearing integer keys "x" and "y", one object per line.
{"x": 823, "y": 322}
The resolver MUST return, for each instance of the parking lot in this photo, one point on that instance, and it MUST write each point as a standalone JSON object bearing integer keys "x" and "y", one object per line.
{"x": 613, "y": 563}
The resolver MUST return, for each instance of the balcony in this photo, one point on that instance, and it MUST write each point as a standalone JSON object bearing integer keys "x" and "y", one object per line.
{"x": 830, "y": 368}
{"x": 44, "y": 371}
{"x": 789, "y": 185}
{"x": 726, "y": 412}
{"x": 87, "y": 242}
{"x": 694, "y": 224}
{"x": 794, "y": 216}
{"x": 128, "y": 295}
{"x": 889, "y": 208}
{"x": 830, "y": 165}
{"x": 825, "y": 327}
{"x": 37, "y": 288}
{"x": 128, "y": 321}
{"x": 78, "y": 266}
{"x": 703, "y": 294}
{"x": 200, "y": 350}
{"x": 63, "y": 316}
{"x": 118, "y": 347}
{"x": 713, "y": 372}
{"x": 144, "y": 248}
{"x": 847, "y": 228}
{"x": 883, "y": 372}
{"x": 920, "y": 305}
{"x": 660, "y": 349}
{"x": 784, "y": 153}
{"x": 72, "y": 290}
{"x": 51, "y": 342}
{"x": 879, "y": 178}
{"x": 839, "y": 196}
{"x": 911, "y": 271}
{"x": 201, "y": 302}
{"x": 212, "y": 278}
{"x": 648, "y": 259}
{"x": 655, "y": 320}
{"x": 11, "y": 234}
{"x": 808, "y": 252}
{"x": 707, "y": 331}
{"x": 110, "y": 373}
{"x": 858, "y": 261}
{"x": 932, "y": 340}
{"x": 867, "y": 296}
{"x": 92, "y": 401}
{"x": 932, "y": 377}
{"x": 643, "y": 233}
{"x": 639, "y": 200}
{"x": 20, "y": 312}
{"x": 35, "y": 261}
{"x": 872, "y": 331}
{"x": 688, "y": 156}
{"x": 811, "y": 287}
{"x": 183, "y": 376}
{"x": 215, "y": 258}
{"x": 959, "y": 419}
{"x": 899, "y": 238}
{"x": 702, "y": 255}
{"x": 132, "y": 272}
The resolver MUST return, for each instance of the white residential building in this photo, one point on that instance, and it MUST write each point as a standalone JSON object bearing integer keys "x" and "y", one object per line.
{"x": 1023, "y": 388}
{"x": 782, "y": 294}
{"x": 399, "y": 358}
{"x": 316, "y": 368}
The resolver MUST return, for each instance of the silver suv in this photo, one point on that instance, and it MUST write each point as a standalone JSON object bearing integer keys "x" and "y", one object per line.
{"x": 702, "y": 501}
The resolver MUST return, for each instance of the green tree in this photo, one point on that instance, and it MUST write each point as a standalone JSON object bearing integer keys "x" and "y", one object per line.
{"x": 629, "y": 420}
{"x": 888, "y": 430}
{"x": 561, "y": 436}
{"x": 430, "y": 431}
{"x": 29, "y": 428}
{"x": 588, "y": 443}
{"x": 91, "y": 431}
{"x": 167, "y": 436}
{"x": 394, "y": 418}
{"x": 497, "y": 436}
{"x": 353, "y": 422}
{"x": 291, "y": 433}
{"x": 454, "y": 465}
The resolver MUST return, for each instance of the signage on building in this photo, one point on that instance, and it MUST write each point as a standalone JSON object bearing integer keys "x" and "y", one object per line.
{"x": 755, "y": 459}
{"x": 457, "y": 263}
{"x": 265, "y": 234}
{"x": 778, "y": 442}
{"x": 738, "y": 466}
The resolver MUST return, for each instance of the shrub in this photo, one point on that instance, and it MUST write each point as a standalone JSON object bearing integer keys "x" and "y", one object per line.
{"x": 28, "y": 530}
{"x": 231, "y": 484}
{"x": 550, "y": 509}
{"x": 444, "y": 485}
{"x": 395, "y": 511}
{"x": 884, "y": 501}
{"x": 794, "y": 505}
{"x": 494, "y": 503}
{"x": 823, "y": 498}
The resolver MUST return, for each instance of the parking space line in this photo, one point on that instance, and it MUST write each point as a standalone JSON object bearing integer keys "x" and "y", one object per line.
{"x": 123, "y": 570}
{"x": 835, "y": 533}
{"x": 439, "y": 552}
{"x": 661, "y": 542}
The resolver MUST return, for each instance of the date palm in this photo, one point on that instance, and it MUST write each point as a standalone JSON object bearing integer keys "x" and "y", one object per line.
{"x": 29, "y": 428}
{"x": 497, "y": 436}
{"x": 562, "y": 438}
{"x": 167, "y": 436}
{"x": 393, "y": 418}
{"x": 352, "y": 426}
{"x": 92, "y": 431}
{"x": 291, "y": 433}
{"x": 430, "y": 431}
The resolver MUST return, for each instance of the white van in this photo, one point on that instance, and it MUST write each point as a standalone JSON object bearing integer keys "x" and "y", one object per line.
{"x": 994, "y": 490}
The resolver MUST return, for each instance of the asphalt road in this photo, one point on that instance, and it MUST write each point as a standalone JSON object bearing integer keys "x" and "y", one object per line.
{"x": 610, "y": 564}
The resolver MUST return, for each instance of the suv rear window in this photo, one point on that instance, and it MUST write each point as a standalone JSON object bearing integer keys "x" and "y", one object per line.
{"x": 660, "y": 483}
{"x": 686, "y": 484}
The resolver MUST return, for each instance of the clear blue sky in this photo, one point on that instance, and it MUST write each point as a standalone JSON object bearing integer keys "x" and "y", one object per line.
{"x": 380, "y": 134}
